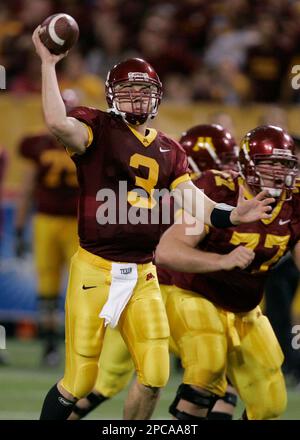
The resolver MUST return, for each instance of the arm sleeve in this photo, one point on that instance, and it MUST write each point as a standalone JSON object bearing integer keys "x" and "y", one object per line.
{"x": 181, "y": 171}
{"x": 91, "y": 118}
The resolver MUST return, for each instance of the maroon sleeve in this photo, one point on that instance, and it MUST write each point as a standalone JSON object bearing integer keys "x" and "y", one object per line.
{"x": 164, "y": 276}
{"x": 91, "y": 117}
{"x": 180, "y": 162}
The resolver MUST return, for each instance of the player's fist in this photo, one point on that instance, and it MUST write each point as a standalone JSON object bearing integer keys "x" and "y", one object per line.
{"x": 240, "y": 257}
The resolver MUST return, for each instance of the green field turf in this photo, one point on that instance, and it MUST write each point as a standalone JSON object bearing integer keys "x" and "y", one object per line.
{"x": 23, "y": 385}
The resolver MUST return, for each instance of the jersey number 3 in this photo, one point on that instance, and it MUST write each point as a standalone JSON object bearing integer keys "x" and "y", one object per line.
{"x": 135, "y": 199}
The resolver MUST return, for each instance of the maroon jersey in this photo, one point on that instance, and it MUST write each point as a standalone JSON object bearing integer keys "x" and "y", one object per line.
{"x": 56, "y": 188}
{"x": 242, "y": 290}
{"x": 164, "y": 276}
{"x": 119, "y": 154}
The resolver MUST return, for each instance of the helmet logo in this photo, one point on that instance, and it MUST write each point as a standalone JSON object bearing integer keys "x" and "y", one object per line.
{"x": 204, "y": 142}
{"x": 207, "y": 144}
{"x": 138, "y": 76}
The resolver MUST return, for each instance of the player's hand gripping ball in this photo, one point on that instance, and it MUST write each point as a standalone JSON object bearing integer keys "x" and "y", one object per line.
{"x": 59, "y": 33}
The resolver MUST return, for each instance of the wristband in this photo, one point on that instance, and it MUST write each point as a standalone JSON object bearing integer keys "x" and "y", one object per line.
{"x": 220, "y": 216}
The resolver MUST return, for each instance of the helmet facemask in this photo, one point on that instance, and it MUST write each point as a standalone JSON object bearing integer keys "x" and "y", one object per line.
{"x": 135, "y": 101}
{"x": 274, "y": 173}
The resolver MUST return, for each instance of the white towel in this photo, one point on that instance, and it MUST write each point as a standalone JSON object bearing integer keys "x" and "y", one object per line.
{"x": 124, "y": 279}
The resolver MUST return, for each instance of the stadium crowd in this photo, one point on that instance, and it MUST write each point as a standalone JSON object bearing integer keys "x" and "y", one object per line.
{"x": 228, "y": 51}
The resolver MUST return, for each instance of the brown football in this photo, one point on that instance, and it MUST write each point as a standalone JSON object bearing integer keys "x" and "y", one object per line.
{"x": 59, "y": 33}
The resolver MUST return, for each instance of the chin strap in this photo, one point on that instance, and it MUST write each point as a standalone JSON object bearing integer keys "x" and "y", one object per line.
{"x": 130, "y": 118}
{"x": 135, "y": 120}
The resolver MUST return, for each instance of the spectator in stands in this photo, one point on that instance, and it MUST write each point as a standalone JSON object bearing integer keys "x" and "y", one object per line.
{"x": 74, "y": 75}
{"x": 267, "y": 62}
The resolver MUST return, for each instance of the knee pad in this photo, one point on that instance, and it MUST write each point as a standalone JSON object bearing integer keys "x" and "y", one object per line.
{"x": 94, "y": 401}
{"x": 83, "y": 382}
{"x": 186, "y": 392}
{"x": 155, "y": 365}
{"x": 111, "y": 381}
{"x": 271, "y": 399}
{"x": 198, "y": 331}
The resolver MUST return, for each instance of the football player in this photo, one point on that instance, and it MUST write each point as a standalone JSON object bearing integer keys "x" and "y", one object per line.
{"x": 50, "y": 184}
{"x": 207, "y": 146}
{"x": 214, "y": 316}
{"x": 280, "y": 292}
{"x": 108, "y": 148}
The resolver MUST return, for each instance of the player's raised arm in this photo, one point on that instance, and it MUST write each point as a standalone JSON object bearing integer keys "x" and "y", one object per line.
{"x": 220, "y": 215}
{"x": 69, "y": 130}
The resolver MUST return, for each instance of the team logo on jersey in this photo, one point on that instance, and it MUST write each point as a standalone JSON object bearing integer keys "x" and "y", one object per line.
{"x": 88, "y": 287}
{"x": 283, "y": 222}
{"x": 149, "y": 276}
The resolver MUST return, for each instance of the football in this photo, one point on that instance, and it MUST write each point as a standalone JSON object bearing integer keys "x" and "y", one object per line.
{"x": 59, "y": 33}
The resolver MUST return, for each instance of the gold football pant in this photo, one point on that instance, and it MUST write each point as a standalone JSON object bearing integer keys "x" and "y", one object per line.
{"x": 55, "y": 242}
{"x": 115, "y": 366}
{"x": 214, "y": 343}
{"x": 143, "y": 324}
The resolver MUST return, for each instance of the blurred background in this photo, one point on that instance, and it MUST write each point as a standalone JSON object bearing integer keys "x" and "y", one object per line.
{"x": 221, "y": 61}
